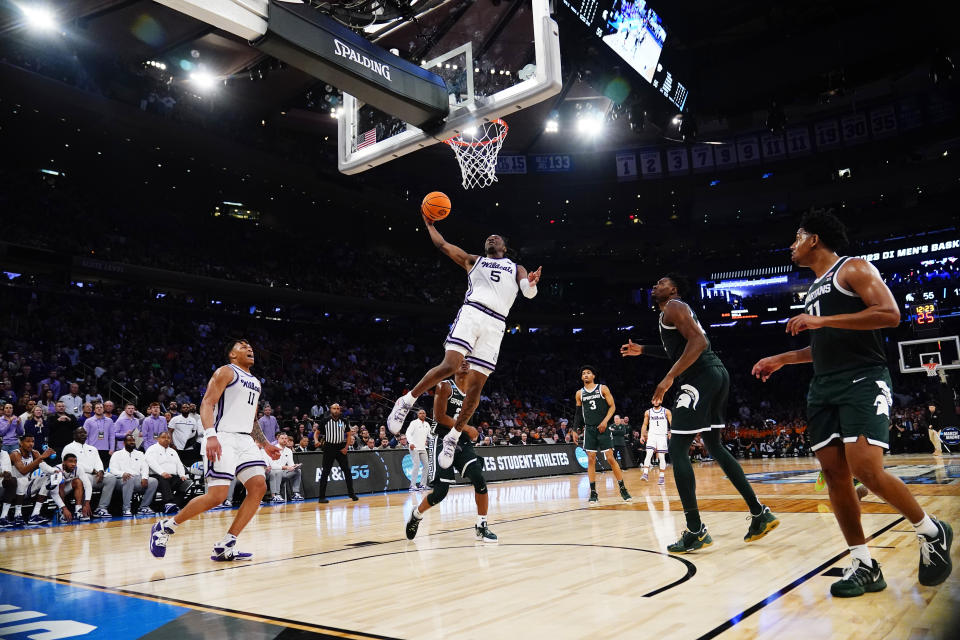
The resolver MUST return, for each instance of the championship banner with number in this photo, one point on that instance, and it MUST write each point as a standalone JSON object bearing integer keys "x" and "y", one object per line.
{"x": 883, "y": 121}
{"x": 627, "y": 166}
{"x": 725, "y": 155}
{"x": 511, "y": 164}
{"x": 748, "y": 150}
{"x": 702, "y": 158}
{"x": 773, "y": 146}
{"x": 827, "y": 134}
{"x": 798, "y": 141}
{"x": 650, "y": 164}
{"x": 677, "y": 162}
{"x": 854, "y": 129}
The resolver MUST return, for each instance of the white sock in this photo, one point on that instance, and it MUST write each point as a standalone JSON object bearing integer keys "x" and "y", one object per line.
{"x": 17, "y": 511}
{"x": 408, "y": 398}
{"x": 646, "y": 469}
{"x": 36, "y": 508}
{"x": 227, "y": 539}
{"x": 6, "y": 509}
{"x": 926, "y": 527}
{"x": 170, "y": 523}
{"x": 861, "y": 553}
{"x": 481, "y": 521}
{"x": 417, "y": 514}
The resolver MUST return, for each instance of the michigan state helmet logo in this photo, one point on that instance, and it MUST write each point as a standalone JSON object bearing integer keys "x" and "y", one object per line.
{"x": 884, "y": 399}
{"x": 689, "y": 397}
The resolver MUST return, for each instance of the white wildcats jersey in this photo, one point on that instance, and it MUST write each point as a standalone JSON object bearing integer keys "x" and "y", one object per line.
{"x": 237, "y": 408}
{"x": 493, "y": 284}
{"x": 658, "y": 422}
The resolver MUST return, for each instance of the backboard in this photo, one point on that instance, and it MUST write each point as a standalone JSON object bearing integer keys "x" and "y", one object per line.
{"x": 496, "y": 59}
{"x": 944, "y": 350}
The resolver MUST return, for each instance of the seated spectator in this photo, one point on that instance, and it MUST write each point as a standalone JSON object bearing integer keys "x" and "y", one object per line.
{"x": 153, "y": 425}
{"x": 36, "y": 425}
{"x": 69, "y": 477}
{"x": 370, "y": 445}
{"x": 166, "y": 466}
{"x": 99, "y": 430}
{"x": 130, "y": 465}
{"x": 11, "y": 428}
{"x": 52, "y": 382}
{"x": 385, "y": 444}
{"x": 284, "y": 470}
{"x": 60, "y": 426}
{"x": 73, "y": 401}
{"x": 486, "y": 442}
{"x": 93, "y": 396}
{"x": 90, "y": 464}
{"x": 48, "y": 401}
{"x": 23, "y": 462}
{"x": 126, "y": 424}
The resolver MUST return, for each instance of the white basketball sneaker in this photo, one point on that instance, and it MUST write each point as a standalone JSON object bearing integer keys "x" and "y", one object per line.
{"x": 398, "y": 415}
{"x": 445, "y": 459}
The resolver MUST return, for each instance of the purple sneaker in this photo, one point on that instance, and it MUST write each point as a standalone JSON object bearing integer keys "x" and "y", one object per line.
{"x": 159, "y": 536}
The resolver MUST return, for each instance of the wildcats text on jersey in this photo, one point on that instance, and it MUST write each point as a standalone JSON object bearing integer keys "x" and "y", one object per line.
{"x": 487, "y": 263}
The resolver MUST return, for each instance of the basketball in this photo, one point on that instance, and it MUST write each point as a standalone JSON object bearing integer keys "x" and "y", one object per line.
{"x": 436, "y": 205}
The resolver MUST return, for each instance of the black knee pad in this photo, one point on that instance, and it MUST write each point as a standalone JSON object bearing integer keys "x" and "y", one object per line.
{"x": 476, "y": 477}
{"x": 439, "y": 492}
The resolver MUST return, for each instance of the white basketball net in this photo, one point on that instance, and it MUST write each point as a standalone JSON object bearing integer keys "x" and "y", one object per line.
{"x": 477, "y": 150}
{"x": 932, "y": 368}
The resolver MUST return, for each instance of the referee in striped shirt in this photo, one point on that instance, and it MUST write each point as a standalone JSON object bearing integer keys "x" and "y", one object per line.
{"x": 335, "y": 437}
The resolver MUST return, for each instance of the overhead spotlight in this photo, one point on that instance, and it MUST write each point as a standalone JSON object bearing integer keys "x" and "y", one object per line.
{"x": 203, "y": 80}
{"x": 39, "y": 18}
{"x": 590, "y": 124}
{"x": 776, "y": 118}
{"x": 552, "y": 126}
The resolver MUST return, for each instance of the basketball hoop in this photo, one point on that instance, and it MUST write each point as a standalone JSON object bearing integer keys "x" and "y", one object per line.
{"x": 477, "y": 151}
{"x": 931, "y": 368}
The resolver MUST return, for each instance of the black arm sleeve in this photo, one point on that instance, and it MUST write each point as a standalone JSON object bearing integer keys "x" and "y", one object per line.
{"x": 577, "y": 419}
{"x": 655, "y": 351}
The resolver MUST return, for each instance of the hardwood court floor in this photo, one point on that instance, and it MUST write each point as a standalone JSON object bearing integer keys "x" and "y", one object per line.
{"x": 561, "y": 570}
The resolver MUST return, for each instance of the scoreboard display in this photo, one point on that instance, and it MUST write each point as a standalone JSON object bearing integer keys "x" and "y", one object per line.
{"x": 925, "y": 315}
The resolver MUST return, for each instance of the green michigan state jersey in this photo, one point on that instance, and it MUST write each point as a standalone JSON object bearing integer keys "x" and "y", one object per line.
{"x": 594, "y": 406}
{"x": 840, "y": 349}
{"x": 674, "y": 343}
{"x": 454, "y": 405}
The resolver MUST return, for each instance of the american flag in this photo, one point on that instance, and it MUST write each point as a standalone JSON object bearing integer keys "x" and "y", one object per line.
{"x": 367, "y": 139}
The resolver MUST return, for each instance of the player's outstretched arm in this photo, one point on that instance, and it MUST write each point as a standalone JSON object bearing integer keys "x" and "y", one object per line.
{"x": 634, "y": 349}
{"x": 766, "y": 367}
{"x": 452, "y": 251}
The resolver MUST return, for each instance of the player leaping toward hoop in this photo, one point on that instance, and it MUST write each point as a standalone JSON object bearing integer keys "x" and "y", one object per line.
{"x": 493, "y": 283}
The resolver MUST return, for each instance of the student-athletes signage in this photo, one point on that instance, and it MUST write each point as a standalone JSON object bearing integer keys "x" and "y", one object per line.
{"x": 378, "y": 471}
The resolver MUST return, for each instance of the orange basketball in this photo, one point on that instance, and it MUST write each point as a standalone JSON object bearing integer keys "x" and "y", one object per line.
{"x": 436, "y": 205}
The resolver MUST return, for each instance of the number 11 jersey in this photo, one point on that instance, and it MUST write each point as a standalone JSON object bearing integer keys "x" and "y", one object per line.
{"x": 237, "y": 408}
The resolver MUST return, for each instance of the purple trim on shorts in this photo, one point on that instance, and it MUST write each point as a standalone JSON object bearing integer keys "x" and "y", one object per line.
{"x": 252, "y": 463}
{"x": 490, "y": 312}
{"x": 482, "y": 363}
{"x": 219, "y": 475}
{"x": 462, "y": 343}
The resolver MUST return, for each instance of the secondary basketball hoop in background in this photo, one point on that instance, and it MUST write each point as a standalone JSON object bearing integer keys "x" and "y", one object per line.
{"x": 476, "y": 150}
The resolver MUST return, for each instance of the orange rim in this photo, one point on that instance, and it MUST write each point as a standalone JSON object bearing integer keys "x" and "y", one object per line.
{"x": 461, "y": 143}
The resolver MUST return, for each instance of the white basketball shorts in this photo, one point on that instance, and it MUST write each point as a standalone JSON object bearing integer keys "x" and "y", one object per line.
{"x": 240, "y": 457}
{"x": 477, "y": 335}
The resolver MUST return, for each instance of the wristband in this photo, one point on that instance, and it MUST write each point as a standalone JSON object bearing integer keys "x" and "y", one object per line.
{"x": 210, "y": 433}
{"x": 528, "y": 290}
